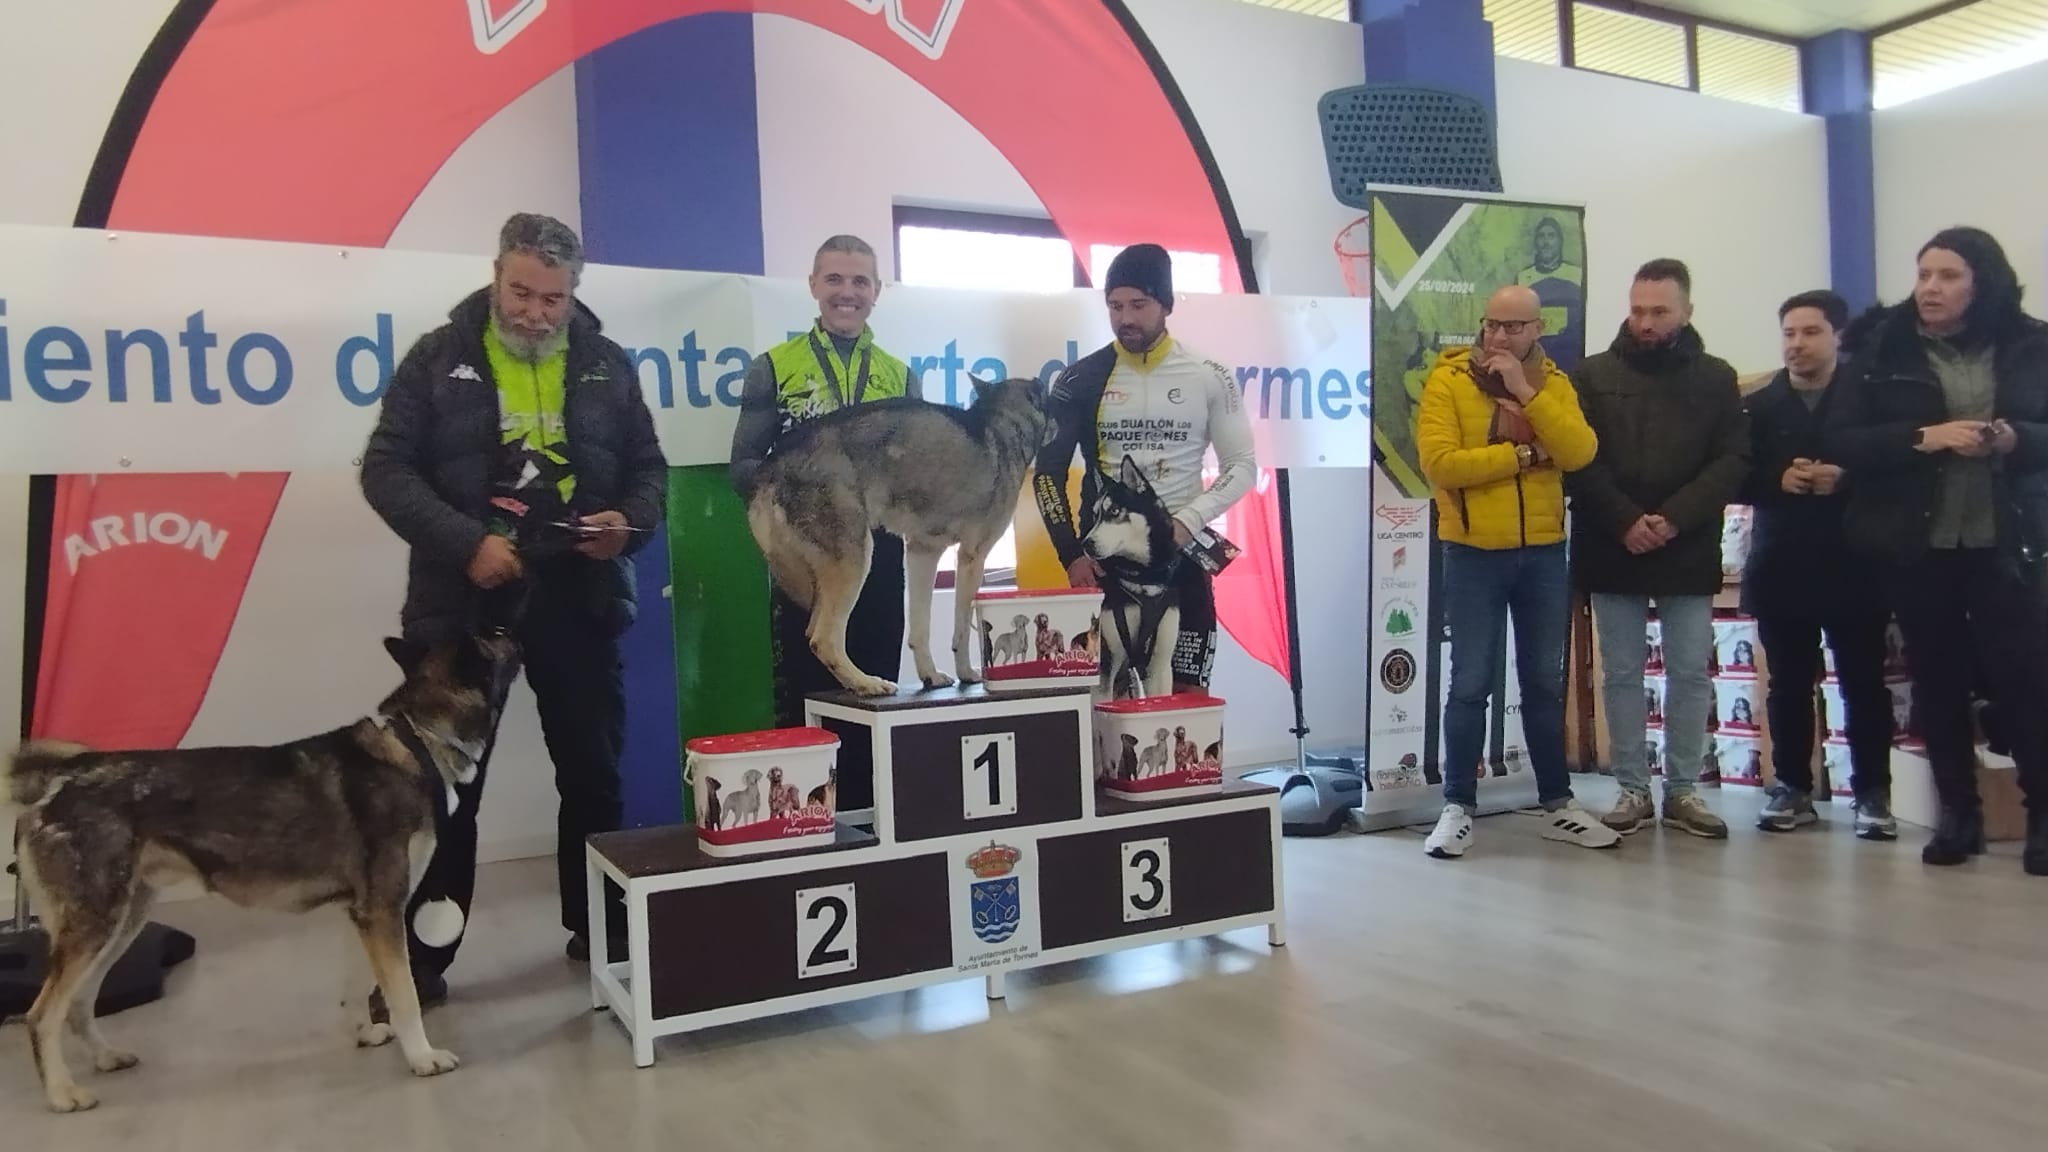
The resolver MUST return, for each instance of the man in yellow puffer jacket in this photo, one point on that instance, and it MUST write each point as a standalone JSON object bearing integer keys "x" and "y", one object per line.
{"x": 1498, "y": 428}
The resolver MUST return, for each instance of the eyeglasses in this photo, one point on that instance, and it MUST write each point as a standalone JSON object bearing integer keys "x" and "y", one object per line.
{"x": 1511, "y": 327}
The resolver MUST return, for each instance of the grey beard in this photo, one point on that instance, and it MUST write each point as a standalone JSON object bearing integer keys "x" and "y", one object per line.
{"x": 526, "y": 349}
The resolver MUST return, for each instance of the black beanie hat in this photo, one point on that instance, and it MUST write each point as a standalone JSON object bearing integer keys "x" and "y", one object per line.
{"x": 1145, "y": 267}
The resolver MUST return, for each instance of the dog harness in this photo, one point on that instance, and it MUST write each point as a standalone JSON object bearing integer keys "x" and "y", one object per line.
{"x": 1125, "y": 574}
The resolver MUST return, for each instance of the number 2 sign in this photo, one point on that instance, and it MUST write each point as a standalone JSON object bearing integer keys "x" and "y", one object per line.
{"x": 827, "y": 931}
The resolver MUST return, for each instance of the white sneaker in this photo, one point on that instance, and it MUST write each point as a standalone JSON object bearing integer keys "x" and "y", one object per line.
{"x": 1574, "y": 825}
{"x": 1453, "y": 833}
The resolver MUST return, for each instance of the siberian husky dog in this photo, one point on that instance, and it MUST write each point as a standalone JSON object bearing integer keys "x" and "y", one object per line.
{"x": 930, "y": 473}
{"x": 1131, "y": 536}
{"x": 344, "y": 818}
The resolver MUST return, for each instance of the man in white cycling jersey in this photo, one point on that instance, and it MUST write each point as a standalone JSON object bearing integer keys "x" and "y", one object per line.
{"x": 1148, "y": 396}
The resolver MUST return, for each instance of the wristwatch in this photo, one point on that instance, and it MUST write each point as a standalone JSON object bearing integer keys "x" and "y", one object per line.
{"x": 1524, "y": 456}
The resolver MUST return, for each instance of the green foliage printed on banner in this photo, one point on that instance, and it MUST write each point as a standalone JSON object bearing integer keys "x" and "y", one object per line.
{"x": 1436, "y": 259}
{"x": 719, "y": 585}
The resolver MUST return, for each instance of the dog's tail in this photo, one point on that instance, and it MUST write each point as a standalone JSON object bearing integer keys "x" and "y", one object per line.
{"x": 37, "y": 767}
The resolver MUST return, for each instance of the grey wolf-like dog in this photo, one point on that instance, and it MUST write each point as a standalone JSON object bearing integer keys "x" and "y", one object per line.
{"x": 931, "y": 474}
{"x": 1131, "y": 536}
{"x": 344, "y": 818}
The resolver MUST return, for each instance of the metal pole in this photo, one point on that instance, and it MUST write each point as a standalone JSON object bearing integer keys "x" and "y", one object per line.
{"x": 1300, "y": 728}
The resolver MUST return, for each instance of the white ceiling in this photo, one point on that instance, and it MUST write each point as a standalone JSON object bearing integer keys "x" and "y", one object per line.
{"x": 1800, "y": 18}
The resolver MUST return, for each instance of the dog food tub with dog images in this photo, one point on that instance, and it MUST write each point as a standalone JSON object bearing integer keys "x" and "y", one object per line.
{"x": 1038, "y": 637}
{"x": 1159, "y": 747}
{"x": 767, "y": 791}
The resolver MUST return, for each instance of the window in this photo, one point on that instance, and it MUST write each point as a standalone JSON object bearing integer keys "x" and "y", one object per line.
{"x": 1751, "y": 69}
{"x": 1525, "y": 30}
{"x": 1956, "y": 47}
{"x": 1625, "y": 44}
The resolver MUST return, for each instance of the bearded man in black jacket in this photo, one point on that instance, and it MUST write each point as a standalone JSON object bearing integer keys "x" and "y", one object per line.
{"x": 1646, "y": 527}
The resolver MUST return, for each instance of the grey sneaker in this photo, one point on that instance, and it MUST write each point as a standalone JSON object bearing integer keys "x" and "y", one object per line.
{"x": 1874, "y": 819}
{"x": 1633, "y": 812}
{"x": 1785, "y": 810}
{"x": 1688, "y": 813}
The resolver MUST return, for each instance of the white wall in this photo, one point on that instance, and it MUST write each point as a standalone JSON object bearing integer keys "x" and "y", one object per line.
{"x": 1964, "y": 156}
{"x": 62, "y": 68}
{"x": 1736, "y": 191}
{"x": 816, "y": 184}
{"x": 524, "y": 159}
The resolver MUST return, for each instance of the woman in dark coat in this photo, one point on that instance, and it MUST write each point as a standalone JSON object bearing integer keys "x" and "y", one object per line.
{"x": 1943, "y": 433}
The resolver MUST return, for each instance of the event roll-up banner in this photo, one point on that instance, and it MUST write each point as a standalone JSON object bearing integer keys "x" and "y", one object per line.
{"x": 1436, "y": 257}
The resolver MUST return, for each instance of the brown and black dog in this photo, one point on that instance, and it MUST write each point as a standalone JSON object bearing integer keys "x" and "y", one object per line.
{"x": 346, "y": 817}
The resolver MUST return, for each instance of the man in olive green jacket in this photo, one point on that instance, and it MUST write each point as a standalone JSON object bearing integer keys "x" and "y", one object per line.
{"x": 1646, "y": 526}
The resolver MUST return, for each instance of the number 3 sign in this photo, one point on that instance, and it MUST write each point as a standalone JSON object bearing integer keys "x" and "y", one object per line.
{"x": 1148, "y": 879}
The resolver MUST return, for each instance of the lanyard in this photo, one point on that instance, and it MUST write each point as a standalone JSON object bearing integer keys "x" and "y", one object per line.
{"x": 828, "y": 359}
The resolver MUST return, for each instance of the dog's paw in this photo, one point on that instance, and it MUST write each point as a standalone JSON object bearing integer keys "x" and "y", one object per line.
{"x": 970, "y": 676}
{"x": 938, "y": 680}
{"x": 72, "y": 1098}
{"x": 373, "y": 1035}
{"x": 114, "y": 1060}
{"x": 433, "y": 1062}
{"x": 874, "y": 686}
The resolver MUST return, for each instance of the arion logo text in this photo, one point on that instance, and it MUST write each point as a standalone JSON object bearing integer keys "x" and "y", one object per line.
{"x": 169, "y": 528}
{"x": 496, "y": 23}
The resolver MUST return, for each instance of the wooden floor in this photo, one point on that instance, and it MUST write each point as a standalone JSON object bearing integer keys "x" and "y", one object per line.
{"x": 1794, "y": 992}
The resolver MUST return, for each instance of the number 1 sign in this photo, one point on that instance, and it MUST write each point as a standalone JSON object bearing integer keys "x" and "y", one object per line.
{"x": 988, "y": 775}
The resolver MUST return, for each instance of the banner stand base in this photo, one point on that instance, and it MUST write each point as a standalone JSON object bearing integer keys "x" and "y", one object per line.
{"x": 137, "y": 978}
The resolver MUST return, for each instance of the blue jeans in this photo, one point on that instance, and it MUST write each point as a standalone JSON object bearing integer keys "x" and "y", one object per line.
{"x": 1620, "y": 625}
{"x": 1480, "y": 588}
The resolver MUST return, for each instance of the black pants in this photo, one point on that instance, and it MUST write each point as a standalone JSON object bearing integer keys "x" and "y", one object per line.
{"x": 1194, "y": 650}
{"x": 874, "y": 642}
{"x": 1792, "y": 648}
{"x": 571, "y": 658}
{"x": 1962, "y": 611}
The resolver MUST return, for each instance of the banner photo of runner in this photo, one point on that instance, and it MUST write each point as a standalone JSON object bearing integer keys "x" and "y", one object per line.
{"x": 147, "y": 353}
{"x": 1435, "y": 260}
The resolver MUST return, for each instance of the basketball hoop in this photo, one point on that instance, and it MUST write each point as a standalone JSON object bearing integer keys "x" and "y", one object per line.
{"x": 1354, "y": 256}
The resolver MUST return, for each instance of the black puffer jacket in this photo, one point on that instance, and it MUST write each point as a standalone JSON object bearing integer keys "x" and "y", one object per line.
{"x": 1889, "y": 394}
{"x": 428, "y": 467}
{"x": 1674, "y": 442}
